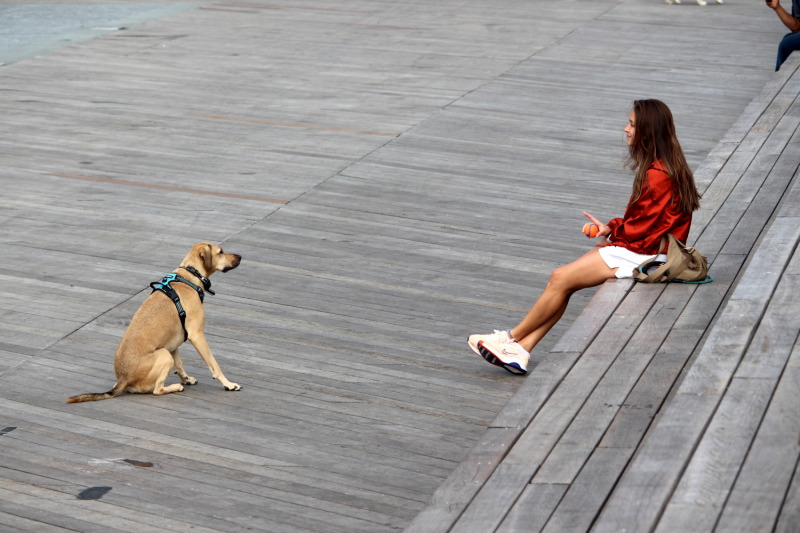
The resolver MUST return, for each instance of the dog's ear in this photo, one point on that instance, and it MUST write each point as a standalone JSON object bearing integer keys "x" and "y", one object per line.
{"x": 207, "y": 255}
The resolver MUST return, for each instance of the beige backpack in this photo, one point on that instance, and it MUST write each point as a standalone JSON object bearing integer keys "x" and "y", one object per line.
{"x": 684, "y": 265}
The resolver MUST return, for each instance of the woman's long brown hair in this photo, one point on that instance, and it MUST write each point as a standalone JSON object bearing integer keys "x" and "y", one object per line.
{"x": 654, "y": 138}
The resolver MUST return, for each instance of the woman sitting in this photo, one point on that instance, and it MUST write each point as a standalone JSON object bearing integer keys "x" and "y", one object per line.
{"x": 664, "y": 197}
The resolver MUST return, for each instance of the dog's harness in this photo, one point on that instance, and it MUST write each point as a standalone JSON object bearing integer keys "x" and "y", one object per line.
{"x": 165, "y": 287}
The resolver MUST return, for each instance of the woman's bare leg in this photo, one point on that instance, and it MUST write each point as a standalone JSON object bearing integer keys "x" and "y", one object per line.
{"x": 533, "y": 339}
{"x": 588, "y": 271}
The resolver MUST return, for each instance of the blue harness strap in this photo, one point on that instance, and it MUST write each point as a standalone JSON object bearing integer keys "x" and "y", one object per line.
{"x": 164, "y": 286}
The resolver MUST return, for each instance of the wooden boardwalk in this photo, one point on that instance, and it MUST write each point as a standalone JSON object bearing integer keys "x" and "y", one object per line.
{"x": 396, "y": 176}
{"x": 667, "y": 407}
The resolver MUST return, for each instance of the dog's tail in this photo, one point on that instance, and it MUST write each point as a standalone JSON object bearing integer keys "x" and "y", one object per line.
{"x": 119, "y": 387}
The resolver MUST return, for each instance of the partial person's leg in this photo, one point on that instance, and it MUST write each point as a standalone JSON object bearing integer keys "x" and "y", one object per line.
{"x": 530, "y": 342}
{"x": 789, "y": 43}
{"x": 501, "y": 350}
{"x": 501, "y": 336}
{"x": 587, "y": 271}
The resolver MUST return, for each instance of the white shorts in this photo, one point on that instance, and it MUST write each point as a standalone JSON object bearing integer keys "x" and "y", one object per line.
{"x": 624, "y": 260}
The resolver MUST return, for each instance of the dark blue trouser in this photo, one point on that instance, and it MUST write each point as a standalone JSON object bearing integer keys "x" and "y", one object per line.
{"x": 789, "y": 43}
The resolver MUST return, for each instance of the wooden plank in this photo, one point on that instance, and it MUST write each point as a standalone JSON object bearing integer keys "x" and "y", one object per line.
{"x": 10, "y": 523}
{"x": 773, "y": 149}
{"x": 760, "y": 489}
{"x": 536, "y": 390}
{"x": 137, "y": 499}
{"x": 709, "y": 375}
{"x": 338, "y": 427}
{"x": 223, "y": 461}
{"x": 568, "y": 456}
{"x": 760, "y": 103}
{"x": 554, "y": 416}
{"x": 348, "y": 316}
{"x": 454, "y": 495}
{"x": 715, "y": 160}
{"x": 593, "y": 317}
{"x": 788, "y": 208}
{"x": 64, "y": 494}
{"x": 699, "y": 498}
{"x": 396, "y": 480}
{"x": 790, "y": 512}
{"x": 96, "y": 515}
{"x": 54, "y": 518}
{"x": 645, "y": 400}
{"x": 273, "y": 503}
{"x": 578, "y": 509}
{"x": 308, "y": 411}
{"x": 718, "y": 191}
{"x": 257, "y": 512}
{"x": 662, "y": 454}
{"x": 533, "y": 508}
{"x": 652, "y": 475}
{"x": 772, "y": 343}
{"x": 344, "y": 404}
{"x": 773, "y": 114}
{"x": 763, "y": 124}
{"x": 500, "y": 491}
{"x": 248, "y": 453}
{"x": 778, "y": 244}
{"x": 194, "y": 467}
{"x": 187, "y": 510}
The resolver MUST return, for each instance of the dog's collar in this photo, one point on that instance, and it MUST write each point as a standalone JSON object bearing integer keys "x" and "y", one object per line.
{"x": 204, "y": 280}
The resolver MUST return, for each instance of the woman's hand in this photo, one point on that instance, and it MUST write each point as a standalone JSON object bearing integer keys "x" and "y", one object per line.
{"x": 604, "y": 230}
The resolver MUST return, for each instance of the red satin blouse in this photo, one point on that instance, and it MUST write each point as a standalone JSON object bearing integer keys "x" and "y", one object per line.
{"x": 650, "y": 217}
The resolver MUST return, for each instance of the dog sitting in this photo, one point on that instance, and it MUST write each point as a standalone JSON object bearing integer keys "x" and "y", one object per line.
{"x": 149, "y": 347}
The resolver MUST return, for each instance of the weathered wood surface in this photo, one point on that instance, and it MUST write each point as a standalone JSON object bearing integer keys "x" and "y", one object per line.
{"x": 601, "y": 412}
{"x": 716, "y": 412}
{"x": 461, "y": 486}
{"x": 705, "y": 497}
{"x": 436, "y": 158}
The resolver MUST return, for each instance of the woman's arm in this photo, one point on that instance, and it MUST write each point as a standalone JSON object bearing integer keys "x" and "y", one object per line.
{"x": 647, "y": 213}
{"x": 613, "y": 224}
{"x": 788, "y": 20}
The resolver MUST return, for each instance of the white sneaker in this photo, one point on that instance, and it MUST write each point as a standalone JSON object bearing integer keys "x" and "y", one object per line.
{"x": 497, "y": 336}
{"x": 702, "y": 2}
{"x": 509, "y": 355}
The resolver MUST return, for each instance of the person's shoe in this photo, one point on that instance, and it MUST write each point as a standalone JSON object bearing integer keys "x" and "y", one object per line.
{"x": 702, "y": 2}
{"x": 497, "y": 336}
{"x": 508, "y": 355}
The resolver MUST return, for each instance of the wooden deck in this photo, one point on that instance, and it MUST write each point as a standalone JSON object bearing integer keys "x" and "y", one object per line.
{"x": 397, "y": 175}
{"x": 666, "y": 407}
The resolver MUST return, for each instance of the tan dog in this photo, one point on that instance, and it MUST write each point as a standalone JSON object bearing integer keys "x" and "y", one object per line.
{"x": 149, "y": 347}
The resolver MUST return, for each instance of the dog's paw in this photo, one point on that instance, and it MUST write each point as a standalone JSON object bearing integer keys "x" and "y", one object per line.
{"x": 233, "y": 386}
{"x": 181, "y": 389}
{"x": 189, "y": 381}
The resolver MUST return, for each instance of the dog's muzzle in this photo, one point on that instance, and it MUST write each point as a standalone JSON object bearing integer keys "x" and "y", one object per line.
{"x": 235, "y": 263}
